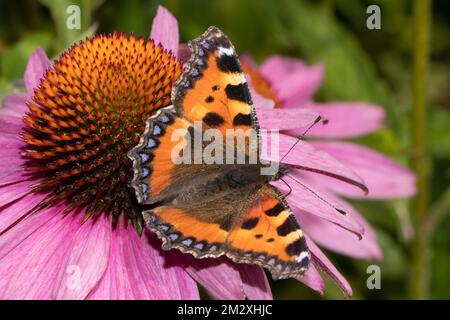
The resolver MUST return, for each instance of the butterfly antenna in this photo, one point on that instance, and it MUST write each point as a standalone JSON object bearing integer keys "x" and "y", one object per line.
{"x": 299, "y": 138}
{"x": 318, "y": 196}
{"x": 290, "y": 189}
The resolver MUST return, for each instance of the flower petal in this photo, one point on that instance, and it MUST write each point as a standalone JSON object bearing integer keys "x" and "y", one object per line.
{"x": 285, "y": 119}
{"x": 10, "y": 124}
{"x": 294, "y": 82}
{"x": 165, "y": 30}
{"x": 16, "y": 211}
{"x": 345, "y": 120}
{"x": 302, "y": 155}
{"x": 31, "y": 254}
{"x": 15, "y": 105}
{"x": 306, "y": 198}
{"x": 12, "y": 192}
{"x": 220, "y": 277}
{"x": 36, "y": 67}
{"x": 137, "y": 269}
{"x": 255, "y": 283}
{"x": 339, "y": 240}
{"x": 321, "y": 262}
{"x": 313, "y": 280}
{"x": 384, "y": 178}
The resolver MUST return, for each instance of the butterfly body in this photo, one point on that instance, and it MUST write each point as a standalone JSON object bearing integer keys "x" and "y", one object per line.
{"x": 214, "y": 209}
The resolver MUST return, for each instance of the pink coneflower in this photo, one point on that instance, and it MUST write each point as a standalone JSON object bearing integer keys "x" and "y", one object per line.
{"x": 69, "y": 223}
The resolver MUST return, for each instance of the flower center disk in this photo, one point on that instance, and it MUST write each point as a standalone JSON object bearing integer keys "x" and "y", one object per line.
{"x": 88, "y": 111}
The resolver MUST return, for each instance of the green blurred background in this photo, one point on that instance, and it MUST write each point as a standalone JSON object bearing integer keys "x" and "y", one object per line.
{"x": 361, "y": 64}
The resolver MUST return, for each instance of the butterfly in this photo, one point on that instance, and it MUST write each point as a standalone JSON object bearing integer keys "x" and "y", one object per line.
{"x": 211, "y": 210}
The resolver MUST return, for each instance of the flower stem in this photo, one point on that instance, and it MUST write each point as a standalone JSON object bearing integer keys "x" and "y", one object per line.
{"x": 419, "y": 280}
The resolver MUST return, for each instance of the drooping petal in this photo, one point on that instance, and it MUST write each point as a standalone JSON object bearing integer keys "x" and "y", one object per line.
{"x": 10, "y": 124}
{"x": 15, "y": 105}
{"x": 11, "y": 162}
{"x": 345, "y": 120}
{"x": 31, "y": 254}
{"x": 220, "y": 277}
{"x": 321, "y": 262}
{"x": 36, "y": 67}
{"x": 302, "y": 155}
{"x": 384, "y": 178}
{"x": 138, "y": 269}
{"x": 339, "y": 240}
{"x": 294, "y": 82}
{"x": 313, "y": 280}
{"x": 285, "y": 119}
{"x": 12, "y": 192}
{"x": 88, "y": 254}
{"x": 165, "y": 30}
{"x": 306, "y": 198}
{"x": 255, "y": 283}
{"x": 13, "y": 212}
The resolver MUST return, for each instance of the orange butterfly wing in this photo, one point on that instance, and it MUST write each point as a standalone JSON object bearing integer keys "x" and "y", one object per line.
{"x": 267, "y": 235}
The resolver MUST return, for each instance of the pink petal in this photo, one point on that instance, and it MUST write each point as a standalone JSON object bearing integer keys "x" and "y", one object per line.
{"x": 14, "y": 212}
{"x": 220, "y": 277}
{"x": 138, "y": 269}
{"x": 345, "y": 120}
{"x": 31, "y": 254}
{"x": 255, "y": 283}
{"x": 313, "y": 280}
{"x": 87, "y": 259}
{"x": 321, "y": 262}
{"x": 286, "y": 119}
{"x": 165, "y": 30}
{"x": 339, "y": 240}
{"x": 15, "y": 105}
{"x": 36, "y": 67}
{"x": 306, "y": 198}
{"x": 384, "y": 178}
{"x": 294, "y": 82}
{"x": 12, "y": 192}
{"x": 304, "y": 156}
{"x": 10, "y": 124}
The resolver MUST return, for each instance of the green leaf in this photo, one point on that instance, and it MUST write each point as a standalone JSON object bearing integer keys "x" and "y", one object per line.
{"x": 14, "y": 60}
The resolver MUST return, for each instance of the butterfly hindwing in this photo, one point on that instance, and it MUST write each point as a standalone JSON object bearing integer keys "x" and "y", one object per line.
{"x": 265, "y": 233}
{"x": 268, "y": 235}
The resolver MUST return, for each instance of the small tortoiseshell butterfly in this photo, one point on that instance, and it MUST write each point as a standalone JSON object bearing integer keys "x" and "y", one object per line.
{"x": 210, "y": 210}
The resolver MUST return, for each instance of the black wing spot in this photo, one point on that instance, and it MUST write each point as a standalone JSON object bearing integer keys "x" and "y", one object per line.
{"x": 242, "y": 120}
{"x": 225, "y": 225}
{"x": 275, "y": 211}
{"x": 213, "y": 119}
{"x": 250, "y": 223}
{"x": 286, "y": 227}
{"x": 215, "y": 88}
{"x": 258, "y": 236}
{"x": 228, "y": 64}
{"x": 270, "y": 240}
{"x": 296, "y": 247}
{"x": 238, "y": 92}
{"x": 209, "y": 99}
